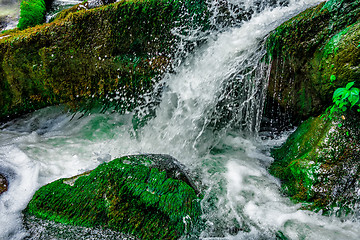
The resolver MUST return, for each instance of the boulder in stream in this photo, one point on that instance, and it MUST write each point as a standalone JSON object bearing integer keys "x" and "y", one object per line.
{"x": 148, "y": 196}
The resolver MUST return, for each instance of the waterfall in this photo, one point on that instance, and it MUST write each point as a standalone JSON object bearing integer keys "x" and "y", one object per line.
{"x": 208, "y": 118}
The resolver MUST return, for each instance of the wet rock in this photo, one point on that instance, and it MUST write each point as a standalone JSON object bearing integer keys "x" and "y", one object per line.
{"x": 320, "y": 164}
{"x": 3, "y": 184}
{"x": 106, "y": 57}
{"x": 307, "y": 51}
{"x": 148, "y": 196}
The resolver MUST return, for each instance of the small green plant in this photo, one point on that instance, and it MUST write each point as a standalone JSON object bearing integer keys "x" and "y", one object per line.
{"x": 345, "y": 97}
{"x": 332, "y": 78}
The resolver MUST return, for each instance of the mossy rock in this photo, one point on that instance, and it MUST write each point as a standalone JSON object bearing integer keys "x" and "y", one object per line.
{"x": 313, "y": 54}
{"x": 111, "y": 54}
{"x": 147, "y": 196}
{"x": 319, "y": 164}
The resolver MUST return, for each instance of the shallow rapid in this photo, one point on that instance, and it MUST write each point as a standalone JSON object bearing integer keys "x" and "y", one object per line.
{"x": 225, "y": 152}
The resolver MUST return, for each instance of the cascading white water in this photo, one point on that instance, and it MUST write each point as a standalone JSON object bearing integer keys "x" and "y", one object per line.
{"x": 204, "y": 120}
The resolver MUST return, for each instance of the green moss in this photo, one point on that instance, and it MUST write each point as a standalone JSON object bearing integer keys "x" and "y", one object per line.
{"x": 319, "y": 164}
{"x": 124, "y": 195}
{"x": 332, "y": 45}
{"x": 294, "y": 163}
{"x": 339, "y": 58}
{"x": 32, "y": 13}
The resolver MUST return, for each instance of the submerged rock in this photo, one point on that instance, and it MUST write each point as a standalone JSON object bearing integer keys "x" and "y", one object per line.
{"x": 320, "y": 164}
{"x": 313, "y": 54}
{"x": 3, "y": 184}
{"x": 148, "y": 196}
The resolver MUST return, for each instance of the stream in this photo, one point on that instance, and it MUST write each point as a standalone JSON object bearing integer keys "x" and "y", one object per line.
{"x": 208, "y": 118}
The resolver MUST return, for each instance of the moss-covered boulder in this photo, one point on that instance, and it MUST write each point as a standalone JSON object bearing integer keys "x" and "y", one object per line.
{"x": 312, "y": 54}
{"x": 3, "y": 184}
{"x": 113, "y": 53}
{"x": 148, "y": 196}
{"x": 319, "y": 164}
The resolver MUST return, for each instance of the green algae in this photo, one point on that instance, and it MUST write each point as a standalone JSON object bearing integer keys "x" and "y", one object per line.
{"x": 125, "y": 195}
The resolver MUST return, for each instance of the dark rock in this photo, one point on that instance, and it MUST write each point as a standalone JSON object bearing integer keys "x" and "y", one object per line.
{"x": 3, "y": 184}
{"x": 148, "y": 196}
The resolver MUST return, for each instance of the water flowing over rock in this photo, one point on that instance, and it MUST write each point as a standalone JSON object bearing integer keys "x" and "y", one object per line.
{"x": 307, "y": 51}
{"x": 149, "y": 196}
{"x": 3, "y": 184}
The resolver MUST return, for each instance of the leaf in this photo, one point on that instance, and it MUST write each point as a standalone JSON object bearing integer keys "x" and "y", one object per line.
{"x": 355, "y": 91}
{"x": 343, "y": 108}
{"x": 349, "y": 85}
{"x": 338, "y": 92}
{"x": 353, "y": 99}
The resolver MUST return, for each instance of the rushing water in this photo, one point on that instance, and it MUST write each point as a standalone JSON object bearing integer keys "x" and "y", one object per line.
{"x": 9, "y": 14}
{"x": 208, "y": 119}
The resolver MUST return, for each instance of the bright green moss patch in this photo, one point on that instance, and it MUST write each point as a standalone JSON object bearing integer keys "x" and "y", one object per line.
{"x": 32, "y": 13}
{"x": 129, "y": 195}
